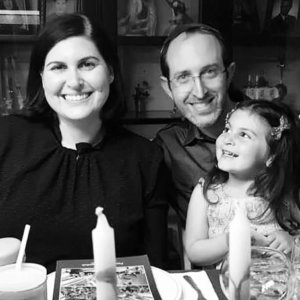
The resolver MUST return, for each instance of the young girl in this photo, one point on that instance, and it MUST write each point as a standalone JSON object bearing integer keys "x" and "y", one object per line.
{"x": 256, "y": 170}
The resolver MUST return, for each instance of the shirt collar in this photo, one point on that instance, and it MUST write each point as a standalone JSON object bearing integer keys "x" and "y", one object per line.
{"x": 194, "y": 133}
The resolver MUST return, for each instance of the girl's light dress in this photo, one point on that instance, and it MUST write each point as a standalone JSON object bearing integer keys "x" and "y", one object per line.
{"x": 222, "y": 209}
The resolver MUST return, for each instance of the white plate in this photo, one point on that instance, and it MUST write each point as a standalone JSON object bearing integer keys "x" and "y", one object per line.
{"x": 168, "y": 287}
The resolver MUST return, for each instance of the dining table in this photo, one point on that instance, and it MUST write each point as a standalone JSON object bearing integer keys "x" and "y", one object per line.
{"x": 177, "y": 284}
{"x": 207, "y": 281}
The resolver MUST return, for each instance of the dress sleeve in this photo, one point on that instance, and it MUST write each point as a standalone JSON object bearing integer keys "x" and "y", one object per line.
{"x": 171, "y": 192}
{"x": 156, "y": 210}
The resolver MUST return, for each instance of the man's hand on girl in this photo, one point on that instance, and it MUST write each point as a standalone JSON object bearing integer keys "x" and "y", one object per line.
{"x": 280, "y": 240}
{"x": 258, "y": 239}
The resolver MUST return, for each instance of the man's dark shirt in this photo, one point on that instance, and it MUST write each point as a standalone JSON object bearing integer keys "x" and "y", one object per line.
{"x": 189, "y": 155}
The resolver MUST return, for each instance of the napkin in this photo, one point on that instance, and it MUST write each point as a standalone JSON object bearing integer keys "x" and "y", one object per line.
{"x": 203, "y": 282}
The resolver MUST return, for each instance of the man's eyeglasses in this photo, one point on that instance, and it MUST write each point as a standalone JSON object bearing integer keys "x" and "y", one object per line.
{"x": 207, "y": 76}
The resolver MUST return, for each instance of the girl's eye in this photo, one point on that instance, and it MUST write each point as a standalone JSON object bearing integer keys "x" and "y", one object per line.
{"x": 226, "y": 129}
{"x": 245, "y": 135}
{"x": 87, "y": 65}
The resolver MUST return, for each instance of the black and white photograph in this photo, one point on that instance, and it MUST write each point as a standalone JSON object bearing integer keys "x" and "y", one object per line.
{"x": 155, "y": 17}
{"x": 80, "y": 283}
{"x": 19, "y": 17}
{"x": 245, "y": 17}
{"x": 248, "y": 18}
{"x": 282, "y": 18}
{"x": 134, "y": 280}
{"x": 152, "y": 147}
{"x": 59, "y": 7}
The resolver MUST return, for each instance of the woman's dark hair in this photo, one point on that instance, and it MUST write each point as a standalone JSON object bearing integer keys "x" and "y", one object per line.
{"x": 190, "y": 29}
{"x": 281, "y": 179}
{"x": 58, "y": 29}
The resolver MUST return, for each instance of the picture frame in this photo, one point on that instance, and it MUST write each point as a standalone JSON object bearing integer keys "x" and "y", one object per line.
{"x": 275, "y": 26}
{"x": 155, "y": 17}
{"x": 19, "y": 17}
{"x": 248, "y": 20}
{"x": 58, "y": 7}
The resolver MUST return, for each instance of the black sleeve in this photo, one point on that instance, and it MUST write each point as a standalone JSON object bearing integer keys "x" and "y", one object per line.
{"x": 156, "y": 210}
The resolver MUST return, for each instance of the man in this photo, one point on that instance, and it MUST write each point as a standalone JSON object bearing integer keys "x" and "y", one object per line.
{"x": 197, "y": 71}
{"x": 283, "y": 23}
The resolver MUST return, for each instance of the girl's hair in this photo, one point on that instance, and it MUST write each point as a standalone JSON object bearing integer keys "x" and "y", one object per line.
{"x": 281, "y": 179}
{"x": 58, "y": 29}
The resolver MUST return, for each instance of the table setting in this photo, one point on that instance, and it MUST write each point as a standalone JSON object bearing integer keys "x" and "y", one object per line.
{"x": 174, "y": 285}
{"x": 171, "y": 286}
{"x": 247, "y": 272}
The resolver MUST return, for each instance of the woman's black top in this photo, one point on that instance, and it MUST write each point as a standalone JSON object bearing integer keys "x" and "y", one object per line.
{"x": 56, "y": 191}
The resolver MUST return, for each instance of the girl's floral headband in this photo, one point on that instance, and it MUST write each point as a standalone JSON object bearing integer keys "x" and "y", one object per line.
{"x": 276, "y": 132}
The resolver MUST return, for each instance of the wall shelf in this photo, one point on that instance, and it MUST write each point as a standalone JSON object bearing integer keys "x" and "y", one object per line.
{"x": 17, "y": 38}
{"x": 141, "y": 40}
{"x": 150, "y": 117}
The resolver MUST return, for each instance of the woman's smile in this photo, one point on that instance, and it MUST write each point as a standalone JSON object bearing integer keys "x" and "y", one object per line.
{"x": 76, "y": 79}
{"x": 75, "y": 98}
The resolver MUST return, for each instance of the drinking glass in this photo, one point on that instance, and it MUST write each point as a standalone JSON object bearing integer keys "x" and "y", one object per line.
{"x": 295, "y": 259}
{"x": 28, "y": 283}
{"x": 269, "y": 274}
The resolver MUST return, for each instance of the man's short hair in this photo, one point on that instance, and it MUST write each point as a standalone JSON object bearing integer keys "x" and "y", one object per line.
{"x": 192, "y": 29}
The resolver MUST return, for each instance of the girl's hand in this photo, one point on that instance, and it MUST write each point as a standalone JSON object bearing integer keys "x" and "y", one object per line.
{"x": 258, "y": 239}
{"x": 281, "y": 240}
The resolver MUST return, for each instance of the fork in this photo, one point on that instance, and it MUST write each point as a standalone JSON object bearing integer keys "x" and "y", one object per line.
{"x": 193, "y": 284}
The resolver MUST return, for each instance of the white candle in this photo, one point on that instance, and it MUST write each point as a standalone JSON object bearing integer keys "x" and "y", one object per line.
{"x": 104, "y": 258}
{"x": 239, "y": 257}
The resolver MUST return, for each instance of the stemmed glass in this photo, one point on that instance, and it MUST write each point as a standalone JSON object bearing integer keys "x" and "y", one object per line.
{"x": 270, "y": 272}
{"x": 295, "y": 276}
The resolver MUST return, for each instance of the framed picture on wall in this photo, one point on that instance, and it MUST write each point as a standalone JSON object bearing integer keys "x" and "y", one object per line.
{"x": 19, "y": 17}
{"x": 283, "y": 18}
{"x": 248, "y": 20}
{"x": 155, "y": 17}
{"x": 58, "y": 7}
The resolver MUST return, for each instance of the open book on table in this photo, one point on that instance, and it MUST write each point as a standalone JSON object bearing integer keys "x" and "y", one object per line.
{"x": 75, "y": 279}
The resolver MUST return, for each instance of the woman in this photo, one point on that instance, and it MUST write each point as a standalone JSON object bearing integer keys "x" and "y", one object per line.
{"x": 67, "y": 155}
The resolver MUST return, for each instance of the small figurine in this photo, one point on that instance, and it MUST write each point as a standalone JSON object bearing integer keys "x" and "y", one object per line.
{"x": 141, "y": 94}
